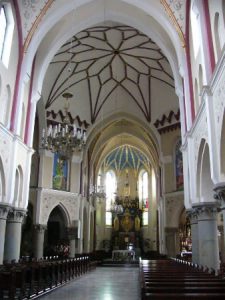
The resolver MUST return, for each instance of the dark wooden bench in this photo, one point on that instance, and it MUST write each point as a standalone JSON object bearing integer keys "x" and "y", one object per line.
{"x": 28, "y": 279}
{"x": 168, "y": 279}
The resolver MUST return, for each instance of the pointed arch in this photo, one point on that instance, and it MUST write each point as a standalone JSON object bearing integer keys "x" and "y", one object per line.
{"x": 204, "y": 181}
{"x": 18, "y": 190}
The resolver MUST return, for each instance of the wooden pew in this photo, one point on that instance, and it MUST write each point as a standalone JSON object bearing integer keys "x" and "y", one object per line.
{"x": 169, "y": 280}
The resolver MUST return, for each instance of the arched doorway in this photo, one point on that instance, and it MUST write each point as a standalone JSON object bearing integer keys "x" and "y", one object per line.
{"x": 56, "y": 239}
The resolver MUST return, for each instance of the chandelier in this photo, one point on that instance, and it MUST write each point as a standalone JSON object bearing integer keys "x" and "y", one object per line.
{"x": 97, "y": 192}
{"x": 64, "y": 138}
{"x": 116, "y": 207}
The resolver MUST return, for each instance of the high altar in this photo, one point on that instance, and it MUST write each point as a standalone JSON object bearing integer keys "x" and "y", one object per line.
{"x": 126, "y": 224}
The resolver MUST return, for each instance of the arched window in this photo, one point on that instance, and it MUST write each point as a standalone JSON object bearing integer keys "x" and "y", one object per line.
{"x": 6, "y": 32}
{"x": 179, "y": 166}
{"x": 110, "y": 189}
{"x": 144, "y": 195}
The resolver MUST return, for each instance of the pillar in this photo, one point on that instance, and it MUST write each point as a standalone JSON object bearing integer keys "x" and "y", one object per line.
{"x": 207, "y": 235}
{"x": 72, "y": 239}
{"x": 192, "y": 214}
{"x": 39, "y": 237}
{"x": 221, "y": 244}
{"x": 4, "y": 209}
{"x": 13, "y": 234}
{"x": 220, "y": 196}
{"x": 172, "y": 243}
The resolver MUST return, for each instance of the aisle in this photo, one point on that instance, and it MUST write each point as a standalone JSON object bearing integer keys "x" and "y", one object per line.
{"x": 104, "y": 283}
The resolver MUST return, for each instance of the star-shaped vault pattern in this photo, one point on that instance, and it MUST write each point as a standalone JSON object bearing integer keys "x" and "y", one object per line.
{"x": 107, "y": 58}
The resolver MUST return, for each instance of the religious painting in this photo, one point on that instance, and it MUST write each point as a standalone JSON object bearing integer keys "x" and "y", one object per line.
{"x": 60, "y": 171}
{"x": 179, "y": 167}
{"x": 127, "y": 221}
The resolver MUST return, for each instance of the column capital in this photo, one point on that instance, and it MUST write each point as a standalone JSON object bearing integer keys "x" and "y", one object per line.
{"x": 219, "y": 195}
{"x": 4, "y": 210}
{"x": 40, "y": 227}
{"x": 206, "y": 210}
{"x": 16, "y": 215}
{"x": 192, "y": 215}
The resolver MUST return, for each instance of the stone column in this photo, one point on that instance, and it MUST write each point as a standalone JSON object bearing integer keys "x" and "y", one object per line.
{"x": 72, "y": 238}
{"x": 172, "y": 244}
{"x": 192, "y": 214}
{"x": 220, "y": 196}
{"x": 13, "y": 234}
{"x": 4, "y": 209}
{"x": 221, "y": 244}
{"x": 39, "y": 237}
{"x": 207, "y": 235}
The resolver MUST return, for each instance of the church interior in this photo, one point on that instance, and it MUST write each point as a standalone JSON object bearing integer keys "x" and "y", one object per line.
{"x": 112, "y": 145}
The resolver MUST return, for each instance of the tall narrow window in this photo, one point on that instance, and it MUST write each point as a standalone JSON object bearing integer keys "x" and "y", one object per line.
{"x": 143, "y": 195}
{"x": 110, "y": 189}
{"x": 3, "y": 24}
{"x": 6, "y": 32}
{"x": 195, "y": 29}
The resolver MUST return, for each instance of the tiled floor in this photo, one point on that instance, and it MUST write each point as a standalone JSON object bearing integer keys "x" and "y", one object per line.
{"x": 101, "y": 284}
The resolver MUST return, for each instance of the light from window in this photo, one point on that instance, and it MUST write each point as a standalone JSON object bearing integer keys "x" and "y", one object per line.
{"x": 195, "y": 30}
{"x": 6, "y": 32}
{"x": 144, "y": 195}
{"x": 143, "y": 189}
{"x": 110, "y": 188}
{"x": 108, "y": 218}
{"x": 3, "y": 24}
{"x": 145, "y": 218}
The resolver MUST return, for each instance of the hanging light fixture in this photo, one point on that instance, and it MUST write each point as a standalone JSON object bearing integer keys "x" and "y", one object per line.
{"x": 117, "y": 208}
{"x": 64, "y": 138}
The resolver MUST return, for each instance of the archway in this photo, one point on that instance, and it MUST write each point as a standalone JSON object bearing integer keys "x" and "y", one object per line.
{"x": 56, "y": 239}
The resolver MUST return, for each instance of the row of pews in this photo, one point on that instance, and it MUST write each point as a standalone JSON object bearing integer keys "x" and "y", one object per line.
{"x": 27, "y": 280}
{"x": 170, "y": 279}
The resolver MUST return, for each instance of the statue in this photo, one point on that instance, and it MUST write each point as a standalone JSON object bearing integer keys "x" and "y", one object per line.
{"x": 137, "y": 223}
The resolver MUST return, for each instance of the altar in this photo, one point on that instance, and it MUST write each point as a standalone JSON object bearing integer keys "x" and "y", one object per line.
{"x": 123, "y": 255}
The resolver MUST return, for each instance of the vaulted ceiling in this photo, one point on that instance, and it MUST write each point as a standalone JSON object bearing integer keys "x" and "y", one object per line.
{"x": 109, "y": 68}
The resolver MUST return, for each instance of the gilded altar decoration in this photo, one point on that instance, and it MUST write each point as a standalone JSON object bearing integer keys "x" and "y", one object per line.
{"x": 127, "y": 222}
{"x": 137, "y": 223}
{"x": 116, "y": 224}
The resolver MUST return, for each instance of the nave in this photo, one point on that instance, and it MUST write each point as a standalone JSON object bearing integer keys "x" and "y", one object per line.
{"x": 104, "y": 283}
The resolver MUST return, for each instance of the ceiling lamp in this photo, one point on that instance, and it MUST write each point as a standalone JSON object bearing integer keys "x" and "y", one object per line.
{"x": 64, "y": 138}
{"x": 117, "y": 208}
